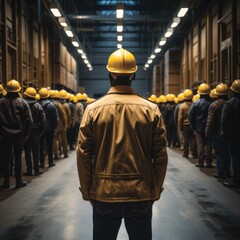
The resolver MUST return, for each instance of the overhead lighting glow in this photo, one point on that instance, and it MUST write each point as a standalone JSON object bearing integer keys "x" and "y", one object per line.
{"x": 62, "y": 22}
{"x": 152, "y": 56}
{"x": 157, "y": 50}
{"x": 182, "y": 12}
{"x": 55, "y": 11}
{"x": 168, "y": 33}
{"x": 175, "y": 23}
{"x": 69, "y": 33}
{"x": 119, "y": 28}
{"x": 86, "y": 61}
{"x": 84, "y": 56}
{"x": 149, "y": 61}
{"x": 119, "y": 45}
{"x": 80, "y": 50}
{"x": 162, "y": 41}
{"x": 75, "y": 43}
{"x": 119, "y": 38}
{"x": 119, "y": 11}
{"x": 146, "y": 65}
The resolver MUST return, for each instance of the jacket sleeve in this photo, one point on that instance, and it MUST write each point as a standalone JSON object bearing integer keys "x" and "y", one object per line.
{"x": 159, "y": 151}
{"x": 226, "y": 119}
{"x": 191, "y": 116}
{"x": 180, "y": 118}
{"x": 42, "y": 119}
{"x": 85, "y": 149}
{"x": 28, "y": 120}
{"x": 211, "y": 120}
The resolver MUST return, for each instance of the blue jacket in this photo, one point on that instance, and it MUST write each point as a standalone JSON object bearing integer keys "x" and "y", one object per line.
{"x": 198, "y": 114}
{"x": 51, "y": 114}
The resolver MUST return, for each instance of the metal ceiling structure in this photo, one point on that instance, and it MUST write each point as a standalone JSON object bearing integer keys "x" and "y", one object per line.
{"x": 144, "y": 22}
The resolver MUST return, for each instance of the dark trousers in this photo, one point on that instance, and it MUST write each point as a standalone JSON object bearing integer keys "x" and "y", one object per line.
{"x": 46, "y": 141}
{"x": 31, "y": 148}
{"x": 189, "y": 141}
{"x": 204, "y": 149}
{"x": 70, "y": 137}
{"x": 222, "y": 155}
{"x": 12, "y": 144}
{"x": 107, "y": 218}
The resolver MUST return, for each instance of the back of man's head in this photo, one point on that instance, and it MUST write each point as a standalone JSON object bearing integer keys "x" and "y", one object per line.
{"x": 122, "y": 67}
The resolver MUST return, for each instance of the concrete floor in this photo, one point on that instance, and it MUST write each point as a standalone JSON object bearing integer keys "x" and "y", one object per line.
{"x": 194, "y": 205}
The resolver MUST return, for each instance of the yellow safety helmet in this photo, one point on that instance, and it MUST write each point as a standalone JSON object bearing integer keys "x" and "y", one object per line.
{"x": 30, "y": 92}
{"x": 122, "y": 62}
{"x": 188, "y": 94}
{"x": 170, "y": 97}
{"x": 176, "y": 100}
{"x": 162, "y": 99}
{"x": 195, "y": 97}
{"x": 1, "y": 89}
{"x": 235, "y": 87}
{"x": 213, "y": 93}
{"x": 84, "y": 96}
{"x": 221, "y": 89}
{"x": 13, "y": 86}
{"x": 79, "y": 96}
{"x": 90, "y": 100}
{"x": 37, "y": 97}
{"x": 180, "y": 97}
{"x": 63, "y": 94}
{"x": 44, "y": 93}
{"x": 204, "y": 89}
{"x": 153, "y": 98}
{"x": 74, "y": 99}
{"x": 53, "y": 93}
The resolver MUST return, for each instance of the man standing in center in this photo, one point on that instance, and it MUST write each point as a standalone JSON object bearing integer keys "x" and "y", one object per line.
{"x": 121, "y": 155}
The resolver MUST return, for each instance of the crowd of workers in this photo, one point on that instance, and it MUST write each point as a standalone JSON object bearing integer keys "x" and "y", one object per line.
{"x": 207, "y": 124}
{"x": 45, "y": 125}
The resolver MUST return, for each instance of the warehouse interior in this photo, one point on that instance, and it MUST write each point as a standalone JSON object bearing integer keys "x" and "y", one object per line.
{"x": 204, "y": 44}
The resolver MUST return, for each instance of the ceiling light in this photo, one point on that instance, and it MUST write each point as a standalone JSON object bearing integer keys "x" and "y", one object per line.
{"x": 119, "y": 28}
{"x": 149, "y": 61}
{"x": 75, "y": 43}
{"x": 119, "y": 45}
{"x": 80, "y": 50}
{"x": 119, "y": 38}
{"x": 62, "y": 22}
{"x": 152, "y": 56}
{"x": 157, "y": 50}
{"x": 119, "y": 11}
{"x": 83, "y": 56}
{"x": 68, "y": 32}
{"x": 86, "y": 61}
{"x": 175, "y": 22}
{"x": 168, "y": 33}
{"x": 162, "y": 41}
{"x": 182, "y": 12}
{"x": 146, "y": 65}
{"x": 55, "y": 11}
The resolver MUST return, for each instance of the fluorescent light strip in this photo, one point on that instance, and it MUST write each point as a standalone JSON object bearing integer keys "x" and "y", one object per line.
{"x": 75, "y": 43}
{"x": 182, "y": 12}
{"x": 69, "y": 33}
{"x": 55, "y": 11}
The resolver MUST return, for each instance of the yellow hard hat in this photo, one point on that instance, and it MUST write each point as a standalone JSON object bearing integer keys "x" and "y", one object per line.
{"x": 180, "y": 97}
{"x": 170, "y": 97}
{"x": 37, "y": 97}
{"x": 176, "y": 100}
{"x": 63, "y": 94}
{"x": 79, "y": 96}
{"x": 53, "y": 93}
{"x": 188, "y": 94}
{"x": 90, "y": 100}
{"x": 44, "y": 93}
{"x": 162, "y": 99}
{"x": 235, "y": 87}
{"x": 153, "y": 98}
{"x": 122, "y": 62}
{"x": 30, "y": 92}
{"x": 213, "y": 93}
{"x": 13, "y": 86}
{"x": 84, "y": 96}
{"x": 204, "y": 89}
{"x": 195, "y": 97}
{"x": 1, "y": 89}
{"x": 221, "y": 89}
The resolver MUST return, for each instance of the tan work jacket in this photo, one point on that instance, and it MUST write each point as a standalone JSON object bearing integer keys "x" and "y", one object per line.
{"x": 121, "y": 151}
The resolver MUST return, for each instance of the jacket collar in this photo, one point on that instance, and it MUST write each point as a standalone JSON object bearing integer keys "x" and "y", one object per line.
{"x": 121, "y": 89}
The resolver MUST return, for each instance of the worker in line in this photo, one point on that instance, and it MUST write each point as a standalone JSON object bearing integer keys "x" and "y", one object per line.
{"x": 121, "y": 155}
{"x": 15, "y": 121}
